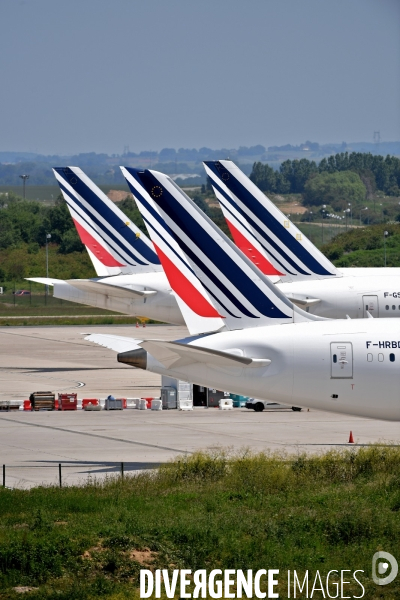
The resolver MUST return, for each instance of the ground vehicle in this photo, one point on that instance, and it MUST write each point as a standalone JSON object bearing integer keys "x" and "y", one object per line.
{"x": 258, "y": 405}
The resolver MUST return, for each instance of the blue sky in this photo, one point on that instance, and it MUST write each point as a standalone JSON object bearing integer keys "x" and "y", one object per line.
{"x": 97, "y": 75}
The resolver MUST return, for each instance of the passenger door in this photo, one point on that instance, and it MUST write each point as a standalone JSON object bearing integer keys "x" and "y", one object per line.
{"x": 341, "y": 360}
{"x": 370, "y": 304}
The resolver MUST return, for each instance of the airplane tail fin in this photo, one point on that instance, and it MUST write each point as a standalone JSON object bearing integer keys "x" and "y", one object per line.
{"x": 262, "y": 231}
{"x": 196, "y": 255}
{"x": 115, "y": 245}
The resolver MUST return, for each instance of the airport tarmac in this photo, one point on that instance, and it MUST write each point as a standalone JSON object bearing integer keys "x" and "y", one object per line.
{"x": 93, "y": 444}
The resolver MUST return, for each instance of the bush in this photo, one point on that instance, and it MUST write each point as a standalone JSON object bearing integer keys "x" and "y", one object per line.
{"x": 336, "y": 189}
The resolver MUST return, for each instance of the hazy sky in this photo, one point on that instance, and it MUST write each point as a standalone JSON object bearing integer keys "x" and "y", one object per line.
{"x": 96, "y": 75}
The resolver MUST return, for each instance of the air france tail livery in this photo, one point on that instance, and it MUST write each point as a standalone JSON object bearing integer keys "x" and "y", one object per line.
{"x": 113, "y": 242}
{"x": 256, "y": 343}
{"x": 191, "y": 247}
{"x": 130, "y": 278}
{"x": 282, "y": 252}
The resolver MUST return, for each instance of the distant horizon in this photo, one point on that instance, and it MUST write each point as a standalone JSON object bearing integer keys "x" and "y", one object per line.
{"x": 271, "y": 148}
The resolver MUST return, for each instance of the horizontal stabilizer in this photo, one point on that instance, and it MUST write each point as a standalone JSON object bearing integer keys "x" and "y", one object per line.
{"x": 174, "y": 354}
{"x": 116, "y": 291}
{"x": 304, "y": 302}
{"x": 44, "y": 280}
{"x": 118, "y": 343}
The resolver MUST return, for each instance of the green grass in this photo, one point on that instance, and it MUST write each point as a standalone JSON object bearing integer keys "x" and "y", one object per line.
{"x": 49, "y": 193}
{"x": 205, "y": 511}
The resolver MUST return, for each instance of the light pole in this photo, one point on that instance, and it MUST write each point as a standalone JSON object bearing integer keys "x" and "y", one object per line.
{"x": 323, "y": 214}
{"x": 24, "y": 178}
{"x": 380, "y": 204}
{"x": 385, "y": 234}
{"x": 366, "y": 208}
{"x": 351, "y": 214}
{"x": 346, "y": 213}
{"x": 48, "y": 236}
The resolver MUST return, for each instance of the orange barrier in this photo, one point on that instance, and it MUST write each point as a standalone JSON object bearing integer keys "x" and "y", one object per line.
{"x": 93, "y": 401}
{"x": 148, "y": 402}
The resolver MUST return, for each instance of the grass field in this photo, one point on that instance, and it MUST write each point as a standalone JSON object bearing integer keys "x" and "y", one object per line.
{"x": 49, "y": 193}
{"x": 203, "y": 512}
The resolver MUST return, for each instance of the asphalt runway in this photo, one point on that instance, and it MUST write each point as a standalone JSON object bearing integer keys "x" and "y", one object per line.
{"x": 93, "y": 444}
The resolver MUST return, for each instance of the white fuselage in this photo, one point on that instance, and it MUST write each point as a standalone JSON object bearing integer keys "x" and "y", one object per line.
{"x": 350, "y": 367}
{"x": 379, "y": 289}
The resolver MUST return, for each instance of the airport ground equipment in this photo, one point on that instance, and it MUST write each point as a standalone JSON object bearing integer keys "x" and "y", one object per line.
{"x": 142, "y": 404}
{"x": 225, "y": 404}
{"x": 238, "y": 400}
{"x": 42, "y": 400}
{"x": 90, "y": 401}
{"x": 132, "y": 402}
{"x": 168, "y": 398}
{"x": 68, "y": 401}
{"x": 92, "y": 407}
{"x": 259, "y": 405}
{"x": 9, "y": 405}
{"x": 185, "y": 404}
{"x": 112, "y": 403}
{"x": 156, "y": 404}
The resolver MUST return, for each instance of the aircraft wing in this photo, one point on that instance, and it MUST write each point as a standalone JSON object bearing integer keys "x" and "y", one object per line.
{"x": 178, "y": 355}
{"x": 118, "y": 343}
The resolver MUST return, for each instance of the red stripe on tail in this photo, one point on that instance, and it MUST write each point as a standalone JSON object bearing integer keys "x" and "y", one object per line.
{"x": 101, "y": 253}
{"x": 186, "y": 290}
{"x": 252, "y": 253}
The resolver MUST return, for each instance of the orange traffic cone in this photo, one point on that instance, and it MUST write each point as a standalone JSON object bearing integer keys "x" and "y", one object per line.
{"x": 351, "y": 439}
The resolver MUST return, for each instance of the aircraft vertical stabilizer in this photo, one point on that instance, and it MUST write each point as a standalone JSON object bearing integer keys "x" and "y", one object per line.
{"x": 242, "y": 296}
{"x": 262, "y": 231}
{"x": 115, "y": 245}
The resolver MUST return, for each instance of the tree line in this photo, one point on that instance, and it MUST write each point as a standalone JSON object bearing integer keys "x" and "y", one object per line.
{"x": 376, "y": 173}
{"x": 28, "y": 222}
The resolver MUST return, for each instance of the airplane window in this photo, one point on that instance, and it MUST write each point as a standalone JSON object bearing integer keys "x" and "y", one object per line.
{"x": 334, "y": 358}
{"x": 392, "y": 357}
{"x": 393, "y": 307}
{"x": 387, "y": 306}
{"x": 370, "y": 358}
{"x": 380, "y": 357}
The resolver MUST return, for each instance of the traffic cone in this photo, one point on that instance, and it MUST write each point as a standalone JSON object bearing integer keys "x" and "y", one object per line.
{"x": 351, "y": 439}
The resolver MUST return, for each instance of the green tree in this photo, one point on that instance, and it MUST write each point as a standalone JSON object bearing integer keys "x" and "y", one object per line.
{"x": 336, "y": 189}
{"x": 264, "y": 177}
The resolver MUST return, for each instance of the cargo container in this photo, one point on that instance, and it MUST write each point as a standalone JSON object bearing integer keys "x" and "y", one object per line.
{"x": 113, "y": 404}
{"x": 42, "y": 400}
{"x": 168, "y": 397}
{"x": 68, "y": 401}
